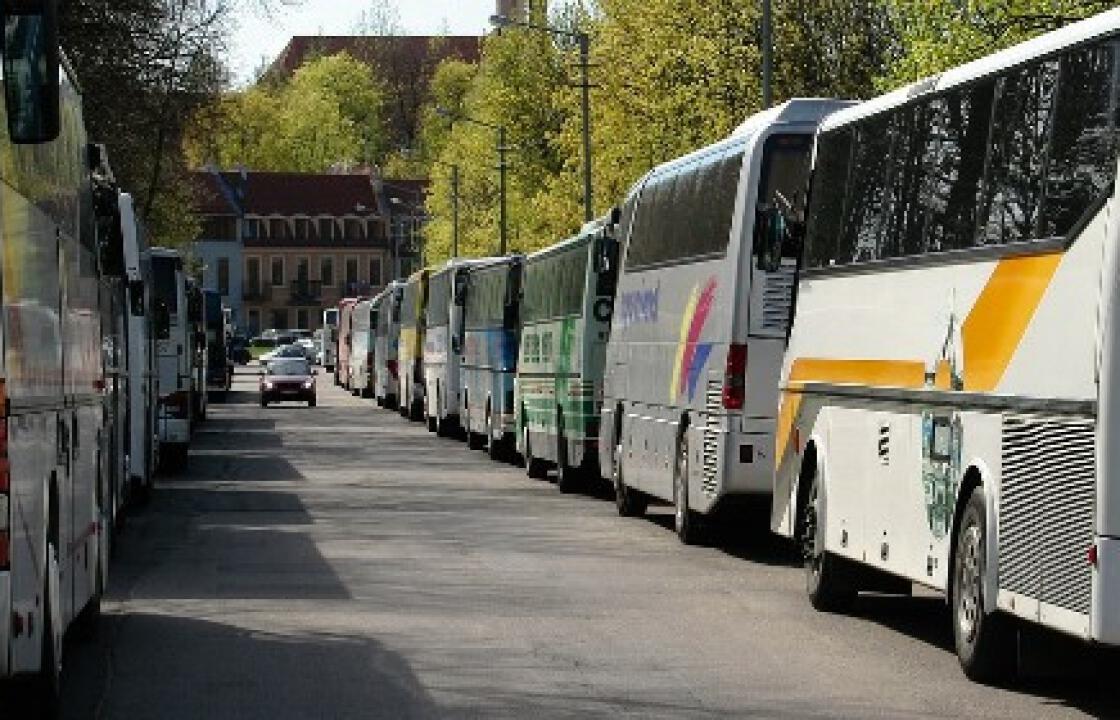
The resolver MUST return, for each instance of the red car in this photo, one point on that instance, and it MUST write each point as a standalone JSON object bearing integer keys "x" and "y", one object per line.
{"x": 288, "y": 378}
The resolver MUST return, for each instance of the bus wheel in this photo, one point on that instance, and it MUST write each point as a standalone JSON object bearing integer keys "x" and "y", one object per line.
{"x": 985, "y": 643}
{"x": 685, "y": 521}
{"x": 567, "y": 477}
{"x": 630, "y": 503}
{"x": 827, "y": 581}
{"x": 535, "y": 468}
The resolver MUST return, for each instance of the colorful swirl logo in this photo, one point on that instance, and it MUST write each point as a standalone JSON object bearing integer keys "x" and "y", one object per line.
{"x": 692, "y": 354}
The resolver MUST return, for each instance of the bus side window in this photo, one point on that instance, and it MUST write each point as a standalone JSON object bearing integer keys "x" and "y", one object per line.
{"x": 31, "y": 71}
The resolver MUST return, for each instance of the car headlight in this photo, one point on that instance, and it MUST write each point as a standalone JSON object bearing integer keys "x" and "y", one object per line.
{"x": 267, "y": 384}
{"x": 308, "y": 384}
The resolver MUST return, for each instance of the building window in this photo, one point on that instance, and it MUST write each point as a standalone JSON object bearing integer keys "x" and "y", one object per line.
{"x": 278, "y": 229}
{"x": 353, "y": 229}
{"x": 303, "y": 271}
{"x": 280, "y": 318}
{"x": 326, "y": 270}
{"x": 351, "y": 271}
{"x": 326, "y": 229}
{"x": 223, "y": 275}
{"x": 219, "y": 227}
{"x": 375, "y": 270}
{"x": 251, "y": 228}
{"x": 301, "y": 320}
{"x": 301, "y": 228}
{"x": 252, "y": 276}
{"x": 277, "y": 270}
{"x": 375, "y": 230}
{"x": 254, "y": 321}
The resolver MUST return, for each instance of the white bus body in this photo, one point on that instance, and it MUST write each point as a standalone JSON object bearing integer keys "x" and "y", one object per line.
{"x": 173, "y": 355}
{"x": 51, "y": 371}
{"x": 330, "y": 338}
{"x": 698, "y": 331}
{"x": 443, "y": 344}
{"x": 361, "y": 352}
{"x": 386, "y": 342}
{"x": 142, "y": 405}
{"x": 949, "y": 392}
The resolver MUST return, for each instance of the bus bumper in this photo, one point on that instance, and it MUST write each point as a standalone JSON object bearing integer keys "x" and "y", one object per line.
{"x": 1106, "y": 592}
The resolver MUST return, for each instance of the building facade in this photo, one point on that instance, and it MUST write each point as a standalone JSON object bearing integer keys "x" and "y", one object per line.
{"x": 218, "y": 250}
{"x": 303, "y": 241}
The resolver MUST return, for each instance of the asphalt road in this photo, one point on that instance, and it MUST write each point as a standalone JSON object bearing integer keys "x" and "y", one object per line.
{"x": 339, "y": 562}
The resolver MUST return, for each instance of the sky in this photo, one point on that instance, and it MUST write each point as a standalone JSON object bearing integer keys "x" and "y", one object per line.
{"x": 260, "y": 37}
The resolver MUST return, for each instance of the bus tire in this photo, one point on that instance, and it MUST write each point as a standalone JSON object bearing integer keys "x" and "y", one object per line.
{"x": 567, "y": 477}
{"x": 629, "y": 502}
{"x": 535, "y": 468}
{"x": 985, "y": 643}
{"x": 47, "y": 683}
{"x": 685, "y": 522}
{"x": 828, "y": 580}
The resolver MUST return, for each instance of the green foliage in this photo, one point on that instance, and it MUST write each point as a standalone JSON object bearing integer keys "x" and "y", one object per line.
{"x": 668, "y": 76}
{"x": 935, "y": 35}
{"x": 331, "y": 113}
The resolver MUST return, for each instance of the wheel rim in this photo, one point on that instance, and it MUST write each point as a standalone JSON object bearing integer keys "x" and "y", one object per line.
{"x": 810, "y": 542}
{"x": 968, "y": 584}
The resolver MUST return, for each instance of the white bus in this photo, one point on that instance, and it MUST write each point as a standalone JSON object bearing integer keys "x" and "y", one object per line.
{"x": 330, "y": 338}
{"x": 363, "y": 322}
{"x": 443, "y": 344}
{"x": 410, "y": 348}
{"x": 700, "y": 322}
{"x": 173, "y": 356}
{"x": 949, "y": 392}
{"x": 142, "y": 390}
{"x": 51, "y": 372}
{"x": 386, "y": 343}
{"x": 491, "y": 318}
{"x": 567, "y": 301}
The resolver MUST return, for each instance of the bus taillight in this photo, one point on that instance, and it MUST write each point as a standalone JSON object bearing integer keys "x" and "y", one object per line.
{"x": 735, "y": 377}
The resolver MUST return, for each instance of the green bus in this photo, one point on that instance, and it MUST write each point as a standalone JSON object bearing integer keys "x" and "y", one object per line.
{"x": 567, "y": 302}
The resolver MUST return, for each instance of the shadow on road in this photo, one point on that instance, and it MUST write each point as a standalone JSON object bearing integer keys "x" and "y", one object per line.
{"x": 215, "y": 670}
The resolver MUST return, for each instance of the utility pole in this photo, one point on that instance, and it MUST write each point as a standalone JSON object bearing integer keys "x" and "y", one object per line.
{"x": 585, "y": 85}
{"x": 502, "y": 150}
{"x": 767, "y": 55}
{"x": 454, "y": 211}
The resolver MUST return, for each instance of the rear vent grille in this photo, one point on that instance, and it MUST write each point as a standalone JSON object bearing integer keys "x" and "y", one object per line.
{"x": 714, "y": 407}
{"x": 1047, "y": 503}
{"x": 777, "y": 297}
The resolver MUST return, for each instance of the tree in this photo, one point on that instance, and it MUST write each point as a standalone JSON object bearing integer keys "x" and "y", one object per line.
{"x": 329, "y": 114}
{"x": 935, "y": 35}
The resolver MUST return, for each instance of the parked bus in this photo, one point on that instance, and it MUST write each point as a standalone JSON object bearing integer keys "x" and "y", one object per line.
{"x": 490, "y": 334}
{"x": 330, "y": 338}
{"x": 142, "y": 371}
{"x": 342, "y": 346}
{"x": 386, "y": 342}
{"x": 173, "y": 356}
{"x": 410, "y": 351}
{"x": 199, "y": 360}
{"x": 686, "y": 418}
{"x": 950, "y": 389}
{"x": 567, "y": 301}
{"x": 219, "y": 365}
{"x": 363, "y": 322}
{"x": 443, "y": 344}
{"x": 51, "y": 374}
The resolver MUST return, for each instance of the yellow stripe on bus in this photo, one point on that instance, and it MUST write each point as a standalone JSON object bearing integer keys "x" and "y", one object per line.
{"x": 991, "y": 333}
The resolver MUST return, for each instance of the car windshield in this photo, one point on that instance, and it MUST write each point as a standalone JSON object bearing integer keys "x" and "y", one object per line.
{"x": 288, "y": 366}
{"x": 293, "y": 351}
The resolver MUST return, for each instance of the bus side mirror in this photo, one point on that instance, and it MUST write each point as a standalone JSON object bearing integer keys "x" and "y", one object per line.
{"x": 31, "y": 61}
{"x": 606, "y": 252}
{"x": 771, "y": 233}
